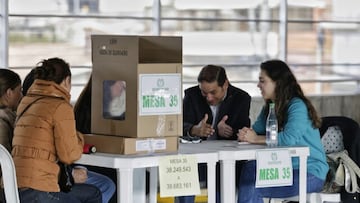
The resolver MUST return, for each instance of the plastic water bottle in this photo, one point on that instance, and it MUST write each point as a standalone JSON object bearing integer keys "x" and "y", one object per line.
{"x": 271, "y": 127}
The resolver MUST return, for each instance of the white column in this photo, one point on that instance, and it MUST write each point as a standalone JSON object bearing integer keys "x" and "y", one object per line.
{"x": 4, "y": 29}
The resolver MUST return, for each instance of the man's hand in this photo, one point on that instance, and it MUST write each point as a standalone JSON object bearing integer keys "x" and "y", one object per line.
{"x": 79, "y": 175}
{"x": 203, "y": 129}
{"x": 224, "y": 130}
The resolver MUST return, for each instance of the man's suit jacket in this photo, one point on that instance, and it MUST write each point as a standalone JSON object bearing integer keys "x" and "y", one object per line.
{"x": 236, "y": 105}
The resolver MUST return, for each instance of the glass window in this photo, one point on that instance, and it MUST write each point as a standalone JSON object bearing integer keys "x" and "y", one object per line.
{"x": 321, "y": 36}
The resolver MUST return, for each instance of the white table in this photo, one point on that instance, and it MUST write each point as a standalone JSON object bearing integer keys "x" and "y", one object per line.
{"x": 227, "y": 152}
{"x": 125, "y": 165}
{"x": 231, "y": 151}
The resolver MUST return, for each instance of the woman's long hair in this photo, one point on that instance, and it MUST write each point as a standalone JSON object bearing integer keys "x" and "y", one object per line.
{"x": 82, "y": 109}
{"x": 286, "y": 88}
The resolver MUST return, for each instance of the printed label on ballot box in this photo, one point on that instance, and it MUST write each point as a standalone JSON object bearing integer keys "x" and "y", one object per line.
{"x": 160, "y": 94}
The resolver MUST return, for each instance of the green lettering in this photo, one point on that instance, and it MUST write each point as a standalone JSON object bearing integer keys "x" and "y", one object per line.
{"x": 151, "y": 101}
{"x": 272, "y": 174}
{"x": 162, "y": 102}
{"x": 156, "y": 101}
{"x": 276, "y": 175}
{"x": 269, "y": 174}
{"x": 262, "y": 175}
{"x": 145, "y": 102}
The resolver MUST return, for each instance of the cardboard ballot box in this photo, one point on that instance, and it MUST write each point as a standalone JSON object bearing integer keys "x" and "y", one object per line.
{"x": 136, "y": 86}
{"x": 126, "y": 145}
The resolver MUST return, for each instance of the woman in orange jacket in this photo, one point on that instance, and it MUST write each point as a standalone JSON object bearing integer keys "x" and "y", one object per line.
{"x": 44, "y": 134}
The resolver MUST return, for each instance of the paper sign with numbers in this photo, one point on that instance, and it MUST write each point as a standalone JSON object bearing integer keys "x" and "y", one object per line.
{"x": 178, "y": 176}
{"x": 273, "y": 168}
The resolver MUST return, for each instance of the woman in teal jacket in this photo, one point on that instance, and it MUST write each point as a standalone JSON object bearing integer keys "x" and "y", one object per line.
{"x": 298, "y": 124}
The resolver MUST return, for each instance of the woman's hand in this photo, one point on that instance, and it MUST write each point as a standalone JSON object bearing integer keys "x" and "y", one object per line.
{"x": 241, "y": 134}
{"x": 249, "y": 135}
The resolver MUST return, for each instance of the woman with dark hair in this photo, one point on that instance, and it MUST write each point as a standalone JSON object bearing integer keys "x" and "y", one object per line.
{"x": 10, "y": 96}
{"x": 44, "y": 134}
{"x": 298, "y": 124}
{"x": 82, "y": 110}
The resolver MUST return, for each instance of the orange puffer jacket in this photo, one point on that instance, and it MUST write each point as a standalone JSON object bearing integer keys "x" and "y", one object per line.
{"x": 44, "y": 134}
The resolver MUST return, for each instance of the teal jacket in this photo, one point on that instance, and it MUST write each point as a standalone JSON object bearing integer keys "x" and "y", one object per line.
{"x": 298, "y": 130}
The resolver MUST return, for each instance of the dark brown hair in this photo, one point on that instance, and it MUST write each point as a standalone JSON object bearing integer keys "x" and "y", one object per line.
{"x": 82, "y": 109}
{"x": 52, "y": 69}
{"x": 8, "y": 79}
{"x": 286, "y": 88}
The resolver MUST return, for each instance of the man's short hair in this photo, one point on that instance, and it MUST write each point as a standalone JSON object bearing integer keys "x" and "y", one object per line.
{"x": 212, "y": 73}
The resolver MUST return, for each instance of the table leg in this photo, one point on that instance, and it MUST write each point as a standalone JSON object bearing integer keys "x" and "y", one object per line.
{"x": 227, "y": 172}
{"x": 125, "y": 181}
{"x": 153, "y": 184}
{"x": 211, "y": 182}
{"x": 302, "y": 179}
{"x": 139, "y": 184}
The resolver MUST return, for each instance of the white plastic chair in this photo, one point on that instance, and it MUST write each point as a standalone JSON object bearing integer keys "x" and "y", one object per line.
{"x": 312, "y": 198}
{"x": 8, "y": 176}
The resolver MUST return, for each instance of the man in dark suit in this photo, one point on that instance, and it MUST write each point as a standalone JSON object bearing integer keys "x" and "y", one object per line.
{"x": 214, "y": 110}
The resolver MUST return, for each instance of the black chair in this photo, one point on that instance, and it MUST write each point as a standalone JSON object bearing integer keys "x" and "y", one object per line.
{"x": 351, "y": 135}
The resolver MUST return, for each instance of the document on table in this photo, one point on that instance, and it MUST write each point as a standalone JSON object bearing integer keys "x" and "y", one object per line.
{"x": 178, "y": 176}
